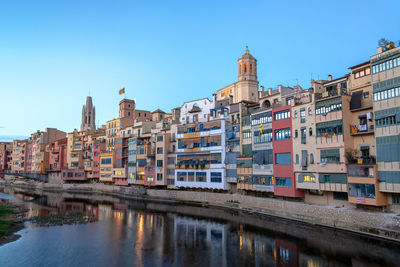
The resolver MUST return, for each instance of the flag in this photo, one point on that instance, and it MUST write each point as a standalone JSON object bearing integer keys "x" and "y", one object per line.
{"x": 122, "y": 91}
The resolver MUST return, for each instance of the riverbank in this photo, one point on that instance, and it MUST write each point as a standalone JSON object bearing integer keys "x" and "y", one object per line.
{"x": 377, "y": 224}
{"x": 9, "y": 222}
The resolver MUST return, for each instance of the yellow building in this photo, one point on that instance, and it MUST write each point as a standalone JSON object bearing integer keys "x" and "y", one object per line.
{"x": 106, "y": 166}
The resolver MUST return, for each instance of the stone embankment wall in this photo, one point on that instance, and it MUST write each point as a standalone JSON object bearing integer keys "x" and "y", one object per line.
{"x": 376, "y": 223}
{"x": 368, "y": 222}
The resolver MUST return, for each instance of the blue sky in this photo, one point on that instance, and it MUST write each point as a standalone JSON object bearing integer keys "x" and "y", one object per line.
{"x": 52, "y": 53}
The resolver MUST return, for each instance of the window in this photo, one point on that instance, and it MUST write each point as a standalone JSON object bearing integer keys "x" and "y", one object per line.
{"x": 141, "y": 163}
{"x": 216, "y": 177}
{"x": 105, "y": 161}
{"x": 310, "y": 131}
{"x": 296, "y": 134}
{"x": 262, "y": 157}
{"x": 302, "y": 115}
{"x": 283, "y": 158}
{"x": 309, "y": 111}
{"x": 340, "y": 196}
{"x": 201, "y": 177}
{"x": 303, "y": 135}
{"x": 331, "y": 105}
{"x": 362, "y": 190}
{"x": 297, "y": 158}
{"x": 159, "y": 138}
{"x": 262, "y": 118}
{"x": 311, "y": 158}
{"x": 247, "y": 134}
{"x": 282, "y": 134}
{"x": 283, "y": 182}
{"x": 366, "y": 94}
{"x": 295, "y": 114}
{"x": 171, "y": 160}
{"x": 387, "y": 94}
{"x": 328, "y": 129}
{"x": 330, "y": 156}
{"x": 396, "y": 199}
{"x": 159, "y": 163}
{"x": 190, "y": 177}
{"x": 159, "y": 150}
{"x": 181, "y": 176}
{"x": 264, "y": 137}
{"x": 282, "y": 115}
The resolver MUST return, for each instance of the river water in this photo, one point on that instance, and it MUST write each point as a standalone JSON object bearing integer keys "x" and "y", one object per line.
{"x": 139, "y": 233}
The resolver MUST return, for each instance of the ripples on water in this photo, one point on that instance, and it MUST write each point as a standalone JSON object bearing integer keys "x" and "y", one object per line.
{"x": 131, "y": 233}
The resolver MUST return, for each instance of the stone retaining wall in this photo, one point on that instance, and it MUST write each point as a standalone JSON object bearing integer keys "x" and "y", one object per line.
{"x": 383, "y": 224}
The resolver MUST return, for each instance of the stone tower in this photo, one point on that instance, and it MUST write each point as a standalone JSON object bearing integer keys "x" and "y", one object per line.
{"x": 88, "y": 115}
{"x": 247, "y": 84}
{"x": 247, "y": 67}
{"x": 127, "y": 108}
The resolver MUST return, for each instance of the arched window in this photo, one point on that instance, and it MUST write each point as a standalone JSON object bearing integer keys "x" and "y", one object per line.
{"x": 245, "y": 68}
{"x": 266, "y": 104}
{"x": 311, "y": 158}
{"x": 251, "y": 68}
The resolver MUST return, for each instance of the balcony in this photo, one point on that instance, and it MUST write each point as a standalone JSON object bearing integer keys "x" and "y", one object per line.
{"x": 371, "y": 160}
{"x": 366, "y": 103}
{"x": 361, "y": 129}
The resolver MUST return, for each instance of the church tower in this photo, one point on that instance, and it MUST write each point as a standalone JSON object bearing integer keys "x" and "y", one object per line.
{"x": 247, "y": 67}
{"x": 88, "y": 115}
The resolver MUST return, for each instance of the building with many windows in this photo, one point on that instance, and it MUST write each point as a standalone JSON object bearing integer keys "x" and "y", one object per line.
{"x": 386, "y": 105}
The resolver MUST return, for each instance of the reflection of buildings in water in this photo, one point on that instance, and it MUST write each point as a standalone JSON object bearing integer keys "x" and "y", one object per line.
{"x": 206, "y": 238}
{"x": 267, "y": 251}
{"x": 71, "y": 206}
{"x": 149, "y": 236}
{"x": 105, "y": 211}
{"x": 313, "y": 261}
{"x": 286, "y": 253}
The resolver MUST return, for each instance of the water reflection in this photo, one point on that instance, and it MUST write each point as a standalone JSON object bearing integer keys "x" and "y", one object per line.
{"x": 132, "y": 233}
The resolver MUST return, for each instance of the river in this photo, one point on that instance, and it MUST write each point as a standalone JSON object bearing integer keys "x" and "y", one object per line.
{"x": 139, "y": 233}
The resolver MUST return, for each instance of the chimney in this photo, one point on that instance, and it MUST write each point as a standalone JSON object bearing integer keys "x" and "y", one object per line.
{"x": 381, "y": 49}
{"x": 214, "y": 97}
{"x": 269, "y": 91}
{"x": 330, "y": 77}
{"x": 280, "y": 88}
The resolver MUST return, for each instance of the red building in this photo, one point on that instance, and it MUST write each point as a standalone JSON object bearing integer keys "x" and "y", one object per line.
{"x": 57, "y": 155}
{"x": 284, "y": 182}
{"x": 98, "y": 147}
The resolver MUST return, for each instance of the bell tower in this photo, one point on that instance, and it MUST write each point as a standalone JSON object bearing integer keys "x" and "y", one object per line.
{"x": 247, "y": 66}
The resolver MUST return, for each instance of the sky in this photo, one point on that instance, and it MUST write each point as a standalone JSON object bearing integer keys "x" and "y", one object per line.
{"x": 55, "y": 53}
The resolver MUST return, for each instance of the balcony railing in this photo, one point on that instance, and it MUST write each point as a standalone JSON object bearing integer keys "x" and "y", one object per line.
{"x": 371, "y": 160}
